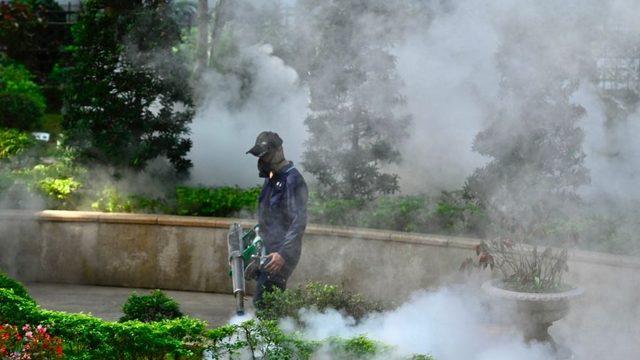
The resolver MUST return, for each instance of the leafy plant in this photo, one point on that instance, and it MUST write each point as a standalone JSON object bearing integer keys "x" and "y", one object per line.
{"x": 14, "y": 142}
{"x": 58, "y": 182}
{"x": 279, "y": 304}
{"x": 147, "y": 308}
{"x": 522, "y": 268}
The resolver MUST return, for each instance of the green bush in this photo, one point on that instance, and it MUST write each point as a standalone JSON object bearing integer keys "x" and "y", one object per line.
{"x": 19, "y": 111}
{"x": 449, "y": 213}
{"x": 14, "y": 142}
{"x": 222, "y": 201}
{"x": 359, "y": 347}
{"x": 21, "y": 99}
{"x": 148, "y": 308}
{"x": 335, "y": 211}
{"x": 86, "y": 337}
{"x": 16, "y": 287}
{"x": 279, "y": 304}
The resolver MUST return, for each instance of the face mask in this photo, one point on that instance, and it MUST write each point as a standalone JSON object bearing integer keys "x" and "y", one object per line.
{"x": 263, "y": 168}
{"x": 270, "y": 162}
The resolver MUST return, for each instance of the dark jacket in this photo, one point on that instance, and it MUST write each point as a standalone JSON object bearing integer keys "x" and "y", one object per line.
{"x": 282, "y": 215}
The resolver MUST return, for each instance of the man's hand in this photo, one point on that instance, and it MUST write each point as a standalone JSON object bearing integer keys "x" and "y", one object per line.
{"x": 275, "y": 264}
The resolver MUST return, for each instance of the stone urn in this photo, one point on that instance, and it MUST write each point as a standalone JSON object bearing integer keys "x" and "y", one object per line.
{"x": 533, "y": 312}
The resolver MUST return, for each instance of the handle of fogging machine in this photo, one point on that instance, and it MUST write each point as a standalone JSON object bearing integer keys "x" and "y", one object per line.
{"x": 236, "y": 261}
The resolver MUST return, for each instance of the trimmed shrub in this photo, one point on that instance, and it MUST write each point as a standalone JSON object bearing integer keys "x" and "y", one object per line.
{"x": 222, "y": 201}
{"x": 16, "y": 287}
{"x": 86, "y": 337}
{"x": 148, "y": 308}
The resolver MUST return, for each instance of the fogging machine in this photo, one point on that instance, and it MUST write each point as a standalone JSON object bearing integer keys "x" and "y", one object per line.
{"x": 247, "y": 255}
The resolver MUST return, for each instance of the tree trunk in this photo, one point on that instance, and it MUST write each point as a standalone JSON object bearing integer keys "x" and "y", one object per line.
{"x": 219, "y": 19}
{"x": 203, "y": 36}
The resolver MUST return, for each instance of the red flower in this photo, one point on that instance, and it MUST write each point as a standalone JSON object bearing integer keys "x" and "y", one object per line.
{"x": 59, "y": 350}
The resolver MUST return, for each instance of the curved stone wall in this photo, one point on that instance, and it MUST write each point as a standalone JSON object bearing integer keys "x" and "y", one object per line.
{"x": 189, "y": 253}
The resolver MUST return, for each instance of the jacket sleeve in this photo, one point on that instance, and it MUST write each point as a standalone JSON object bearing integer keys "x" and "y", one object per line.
{"x": 296, "y": 198}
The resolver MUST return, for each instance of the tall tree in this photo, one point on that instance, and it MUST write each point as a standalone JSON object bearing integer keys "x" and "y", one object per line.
{"x": 127, "y": 100}
{"x": 533, "y": 139}
{"x": 355, "y": 98}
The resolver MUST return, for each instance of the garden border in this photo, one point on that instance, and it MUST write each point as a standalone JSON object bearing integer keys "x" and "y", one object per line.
{"x": 315, "y": 229}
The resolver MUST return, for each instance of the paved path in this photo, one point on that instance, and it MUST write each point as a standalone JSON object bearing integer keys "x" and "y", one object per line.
{"x": 106, "y": 302}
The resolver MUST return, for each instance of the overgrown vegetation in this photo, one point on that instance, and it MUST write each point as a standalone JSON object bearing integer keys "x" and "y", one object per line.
{"x": 156, "y": 306}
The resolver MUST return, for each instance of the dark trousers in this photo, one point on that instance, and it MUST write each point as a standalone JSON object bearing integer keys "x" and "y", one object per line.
{"x": 267, "y": 282}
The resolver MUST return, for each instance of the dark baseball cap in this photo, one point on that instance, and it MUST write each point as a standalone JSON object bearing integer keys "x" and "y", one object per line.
{"x": 265, "y": 142}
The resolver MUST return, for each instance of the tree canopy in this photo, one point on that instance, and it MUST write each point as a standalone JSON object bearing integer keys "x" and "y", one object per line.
{"x": 127, "y": 98}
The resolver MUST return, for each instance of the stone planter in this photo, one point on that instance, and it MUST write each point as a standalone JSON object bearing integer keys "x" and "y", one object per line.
{"x": 534, "y": 312}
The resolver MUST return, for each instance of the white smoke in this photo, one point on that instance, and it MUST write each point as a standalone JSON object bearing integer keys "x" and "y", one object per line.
{"x": 226, "y": 124}
{"x": 450, "y": 324}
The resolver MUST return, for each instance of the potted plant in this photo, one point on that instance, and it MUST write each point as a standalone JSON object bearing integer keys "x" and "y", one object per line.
{"x": 528, "y": 281}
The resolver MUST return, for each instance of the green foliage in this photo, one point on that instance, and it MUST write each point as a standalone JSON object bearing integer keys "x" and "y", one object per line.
{"x": 450, "y": 213}
{"x": 279, "y": 304}
{"x": 16, "y": 287}
{"x": 87, "y": 337}
{"x": 110, "y": 199}
{"x": 21, "y": 99}
{"x": 58, "y": 182}
{"x": 522, "y": 268}
{"x": 222, "y": 201}
{"x": 255, "y": 340}
{"x": 13, "y": 142}
{"x": 359, "y": 347}
{"x": 126, "y": 95}
{"x": 147, "y": 308}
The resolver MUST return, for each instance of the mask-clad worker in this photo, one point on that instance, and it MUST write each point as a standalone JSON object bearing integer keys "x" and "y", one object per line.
{"x": 282, "y": 213}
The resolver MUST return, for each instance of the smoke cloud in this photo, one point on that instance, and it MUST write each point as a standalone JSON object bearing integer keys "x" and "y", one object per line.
{"x": 230, "y": 118}
{"x": 450, "y": 323}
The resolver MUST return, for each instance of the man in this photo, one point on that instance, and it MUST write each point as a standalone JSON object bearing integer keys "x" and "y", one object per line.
{"x": 282, "y": 213}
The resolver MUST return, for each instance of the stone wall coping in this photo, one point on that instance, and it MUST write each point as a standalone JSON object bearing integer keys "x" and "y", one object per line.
{"x": 315, "y": 229}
